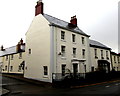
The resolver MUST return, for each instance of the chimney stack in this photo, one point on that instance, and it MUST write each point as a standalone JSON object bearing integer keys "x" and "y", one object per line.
{"x": 73, "y": 22}
{"x": 39, "y": 8}
{"x": 2, "y": 48}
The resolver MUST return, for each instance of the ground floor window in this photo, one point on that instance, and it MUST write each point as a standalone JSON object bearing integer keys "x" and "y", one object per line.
{"x": 11, "y": 68}
{"x": 92, "y": 69}
{"x": 45, "y": 70}
{"x": 5, "y": 68}
{"x": 19, "y": 68}
{"x": 63, "y": 69}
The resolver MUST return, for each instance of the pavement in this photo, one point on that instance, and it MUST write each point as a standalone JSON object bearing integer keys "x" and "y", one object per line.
{"x": 3, "y": 91}
{"x": 20, "y": 88}
{"x": 20, "y": 77}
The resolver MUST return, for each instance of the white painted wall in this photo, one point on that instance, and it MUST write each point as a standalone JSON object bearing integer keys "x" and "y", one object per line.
{"x": 38, "y": 40}
{"x": 69, "y": 51}
{"x": 94, "y": 61}
{"x": 116, "y": 62}
{"x": 15, "y": 62}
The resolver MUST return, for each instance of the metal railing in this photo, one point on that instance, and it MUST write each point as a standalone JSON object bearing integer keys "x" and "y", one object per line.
{"x": 60, "y": 76}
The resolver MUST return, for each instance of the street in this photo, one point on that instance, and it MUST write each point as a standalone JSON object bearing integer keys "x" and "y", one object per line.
{"x": 21, "y": 88}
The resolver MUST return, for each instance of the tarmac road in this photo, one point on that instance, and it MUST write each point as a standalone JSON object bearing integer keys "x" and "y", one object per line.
{"x": 21, "y": 88}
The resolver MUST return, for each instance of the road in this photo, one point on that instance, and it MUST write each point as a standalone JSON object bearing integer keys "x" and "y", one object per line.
{"x": 20, "y": 88}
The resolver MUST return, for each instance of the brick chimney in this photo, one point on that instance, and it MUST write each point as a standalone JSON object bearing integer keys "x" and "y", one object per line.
{"x": 39, "y": 8}
{"x": 21, "y": 41}
{"x": 2, "y": 48}
{"x": 73, "y": 22}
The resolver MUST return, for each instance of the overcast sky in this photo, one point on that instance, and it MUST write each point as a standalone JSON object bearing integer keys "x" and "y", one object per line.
{"x": 97, "y": 18}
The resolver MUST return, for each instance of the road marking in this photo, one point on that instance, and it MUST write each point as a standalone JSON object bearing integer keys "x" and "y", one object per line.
{"x": 95, "y": 84}
{"x": 107, "y": 86}
{"x": 117, "y": 84}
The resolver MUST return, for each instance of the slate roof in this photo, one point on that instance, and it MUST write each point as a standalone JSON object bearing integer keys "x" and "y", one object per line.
{"x": 8, "y": 51}
{"x": 63, "y": 24}
{"x": 94, "y": 43}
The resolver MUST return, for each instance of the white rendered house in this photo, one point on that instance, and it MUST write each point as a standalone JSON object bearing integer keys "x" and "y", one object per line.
{"x": 100, "y": 57}
{"x": 12, "y": 59}
{"x": 54, "y": 47}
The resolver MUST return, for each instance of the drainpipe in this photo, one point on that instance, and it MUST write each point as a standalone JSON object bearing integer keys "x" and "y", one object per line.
{"x": 111, "y": 60}
{"x": 8, "y": 63}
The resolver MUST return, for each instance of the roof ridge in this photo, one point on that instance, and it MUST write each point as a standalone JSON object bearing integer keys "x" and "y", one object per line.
{"x": 10, "y": 47}
{"x": 57, "y": 18}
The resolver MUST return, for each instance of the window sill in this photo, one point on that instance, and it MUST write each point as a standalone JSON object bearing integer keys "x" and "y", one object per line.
{"x": 64, "y": 58}
{"x": 45, "y": 76}
{"x": 63, "y": 40}
{"x": 74, "y": 43}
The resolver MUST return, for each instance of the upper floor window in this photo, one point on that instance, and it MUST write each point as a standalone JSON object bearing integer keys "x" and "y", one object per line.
{"x": 102, "y": 54}
{"x": 73, "y": 37}
{"x": 118, "y": 59}
{"x": 45, "y": 70}
{"x": 115, "y": 59}
{"x": 95, "y": 50}
{"x": 62, "y": 35}
{"x": 83, "y": 40}
{"x": 6, "y": 57}
{"x": 20, "y": 55}
{"x": 12, "y": 57}
{"x": 63, "y": 50}
{"x": 11, "y": 68}
{"x": 107, "y": 55}
{"x": 74, "y": 52}
{"x": 83, "y": 53}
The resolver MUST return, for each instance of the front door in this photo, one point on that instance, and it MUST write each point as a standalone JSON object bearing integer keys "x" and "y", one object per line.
{"x": 75, "y": 69}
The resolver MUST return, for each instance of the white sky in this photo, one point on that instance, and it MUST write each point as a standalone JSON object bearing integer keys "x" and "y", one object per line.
{"x": 97, "y": 18}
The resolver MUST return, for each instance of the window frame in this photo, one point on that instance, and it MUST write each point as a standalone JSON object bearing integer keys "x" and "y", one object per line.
{"x": 73, "y": 38}
{"x": 83, "y": 40}
{"x": 74, "y": 52}
{"x": 63, "y": 51}
{"x": 63, "y": 67}
{"x": 62, "y": 35}
{"x": 45, "y": 69}
{"x": 83, "y": 53}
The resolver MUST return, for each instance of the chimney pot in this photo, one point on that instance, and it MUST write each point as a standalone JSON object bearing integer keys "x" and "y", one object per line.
{"x": 2, "y": 48}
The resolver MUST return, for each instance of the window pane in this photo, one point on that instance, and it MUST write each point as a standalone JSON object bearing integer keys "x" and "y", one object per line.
{"x": 63, "y": 70}
{"x": 83, "y": 40}
{"x": 63, "y": 50}
{"x": 45, "y": 70}
{"x": 62, "y": 35}
{"x": 73, "y": 38}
